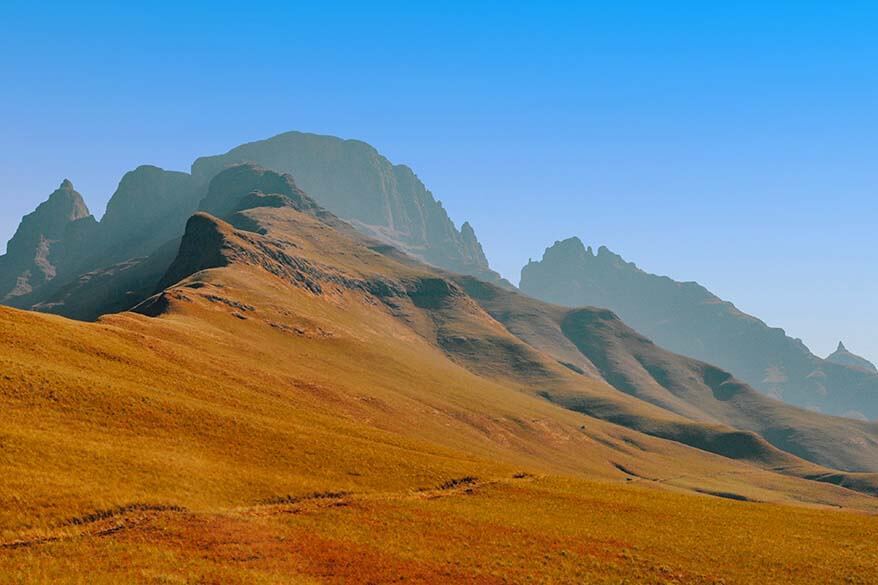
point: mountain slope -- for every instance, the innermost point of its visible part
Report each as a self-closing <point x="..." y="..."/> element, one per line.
<point x="323" y="252"/>
<point x="302" y="403"/>
<point x="688" y="319"/>
<point x="611" y="351"/>
<point x="255" y="453"/>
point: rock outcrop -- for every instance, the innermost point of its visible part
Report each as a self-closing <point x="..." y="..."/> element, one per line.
<point x="150" y="207"/>
<point x="86" y="267"/>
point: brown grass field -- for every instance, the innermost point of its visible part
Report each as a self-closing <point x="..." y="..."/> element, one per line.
<point x="259" y="432"/>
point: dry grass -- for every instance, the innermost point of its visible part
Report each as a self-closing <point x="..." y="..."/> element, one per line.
<point x="323" y="438"/>
<point x="544" y="530"/>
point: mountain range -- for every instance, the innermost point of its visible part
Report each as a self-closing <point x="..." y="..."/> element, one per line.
<point x="62" y="260"/>
<point x="272" y="384"/>
<point x="686" y="318"/>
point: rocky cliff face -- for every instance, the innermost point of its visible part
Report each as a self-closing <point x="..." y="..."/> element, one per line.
<point x="230" y="188"/>
<point x="687" y="318"/>
<point x="150" y="207"/>
<point x="44" y="239"/>
<point x="71" y="251"/>
<point x="62" y="256"/>
<point x="844" y="357"/>
<point x="354" y="181"/>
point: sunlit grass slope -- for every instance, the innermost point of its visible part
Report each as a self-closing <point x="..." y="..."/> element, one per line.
<point x="302" y="408"/>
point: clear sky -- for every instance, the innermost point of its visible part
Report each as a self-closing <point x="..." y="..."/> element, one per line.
<point x="732" y="143"/>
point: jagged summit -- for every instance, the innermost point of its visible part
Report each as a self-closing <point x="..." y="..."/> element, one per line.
<point x="147" y="214"/>
<point x="573" y="251"/>
<point x="34" y="252"/>
<point x="51" y="217"/>
<point x="64" y="204"/>
<point x="845" y="357"/>
<point x="570" y="250"/>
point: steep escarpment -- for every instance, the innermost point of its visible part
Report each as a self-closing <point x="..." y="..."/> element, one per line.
<point x="354" y="181"/>
<point x="686" y="318"/>
<point x="149" y="208"/>
<point x="100" y="267"/>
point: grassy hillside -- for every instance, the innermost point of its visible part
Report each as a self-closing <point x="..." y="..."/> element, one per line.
<point x="302" y="406"/>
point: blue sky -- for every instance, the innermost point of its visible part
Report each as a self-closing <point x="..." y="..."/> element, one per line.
<point x="729" y="143"/>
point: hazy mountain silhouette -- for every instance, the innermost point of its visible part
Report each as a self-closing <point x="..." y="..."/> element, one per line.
<point x="354" y="181"/>
<point x="93" y="267"/>
<point x="45" y="242"/>
<point x="845" y="358"/>
<point x="284" y="369"/>
<point x="688" y="319"/>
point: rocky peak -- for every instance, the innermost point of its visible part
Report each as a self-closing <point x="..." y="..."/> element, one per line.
<point x="842" y="356"/>
<point x="471" y="246"/>
<point x="146" y="193"/>
<point x="49" y="219"/>
<point x="468" y="233"/>
<point x="354" y="181"/>
<point x="570" y="253"/>
<point x="149" y="207"/>
<point x="249" y="185"/>
<point x="609" y="258"/>
<point x="33" y="252"/>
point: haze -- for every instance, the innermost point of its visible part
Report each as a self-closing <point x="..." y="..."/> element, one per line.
<point x="729" y="145"/>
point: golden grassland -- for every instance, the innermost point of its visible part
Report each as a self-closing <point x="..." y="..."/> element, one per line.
<point x="543" y="530"/>
<point x="258" y="433"/>
<point x="201" y="447"/>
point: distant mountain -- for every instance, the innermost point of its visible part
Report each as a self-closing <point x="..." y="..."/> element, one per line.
<point x="44" y="242"/>
<point x="845" y="358"/>
<point x="62" y="260"/>
<point x="150" y="207"/>
<point x="688" y="319"/>
<point x="262" y="223"/>
<point x="354" y="181"/>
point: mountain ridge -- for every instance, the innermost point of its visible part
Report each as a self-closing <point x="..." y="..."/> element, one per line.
<point x="107" y="264"/>
<point x="687" y="318"/>
<point x="297" y="400"/>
